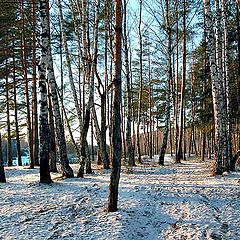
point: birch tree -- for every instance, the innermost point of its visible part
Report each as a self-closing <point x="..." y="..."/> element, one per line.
<point x="44" y="125"/>
<point x="219" y="101"/>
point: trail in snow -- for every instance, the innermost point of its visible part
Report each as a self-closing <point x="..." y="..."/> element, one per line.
<point x="171" y="202"/>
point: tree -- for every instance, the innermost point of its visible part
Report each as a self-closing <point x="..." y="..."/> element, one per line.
<point x="167" y="86"/>
<point x="129" y="97"/>
<point x="45" y="176"/>
<point x="116" y="137"/>
<point x="181" y="120"/>
<point x="219" y="101"/>
<point x="140" y="81"/>
<point x="2" y="172"/>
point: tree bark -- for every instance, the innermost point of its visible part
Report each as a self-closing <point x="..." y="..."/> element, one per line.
<point x="45" y="176"/>
<point x="2" y="172"/>
<point x="140" y="81"/>
<point x="90" y="103"/>
<point x="35" y="135"/>
<point x="181" y="123"/>
<point x="219" y="101"/>
<point x="129" y="94"/>
<point x="66" y="170"/>
<point x="167" y="86"/>
<point x="116" y="138"/>
<point x="26" y="88"/>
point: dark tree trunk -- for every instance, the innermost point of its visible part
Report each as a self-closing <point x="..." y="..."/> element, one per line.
<point x="52" y="137"/>
<point x="116" y="138"/>
<point x="2" y="172"/>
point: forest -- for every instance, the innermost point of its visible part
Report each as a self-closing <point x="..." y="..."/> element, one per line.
<point x="120" y="119"/>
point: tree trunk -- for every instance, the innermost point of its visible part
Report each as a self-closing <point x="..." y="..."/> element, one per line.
<point x="16" y="110"/>
<point x="90" y="103"/>
<point x="238" y="53"/>
<point x="219" y="103"/>
<point x="66" y="170"/>
<point x="35" y="137"/>
<point x="26" y="89"/>
<point x="181" y="123"/>
<point x="140" y="81"/>
<point x="9" y="138"/>
<point x="116" y="138"/>
<point x="52" y="137"/>
<point x="45" y="176"/>
<point x="129" y="94"/>
<point x="2" y="172"/>
<point x="167" y="86"/>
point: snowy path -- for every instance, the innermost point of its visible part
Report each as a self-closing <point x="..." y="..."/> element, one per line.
<point x="170" y="202"/>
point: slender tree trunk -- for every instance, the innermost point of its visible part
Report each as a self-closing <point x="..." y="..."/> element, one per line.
<point x="129" y="94"/>
<point x="35" y="137"/>
<point x="68" y="63"/>
<point x="90" y="103"/>
<point x="66" y="170"/>
<point x="52" y="137"/>
<point x="116" y="138"/>
<point x="167" y="86"/>
<point x="140" y="81"/>
<point x="9" y="137"/>
<point x="2" y="172"/>
<point x="45" y="176"/>
<point x="26" y="88"/>
<point x="16" y="110"/>
<point x="225" y="62"/>
<point x="176" y="129"/>
<point x="181" y="123"/>
<point x="105" y="157"/>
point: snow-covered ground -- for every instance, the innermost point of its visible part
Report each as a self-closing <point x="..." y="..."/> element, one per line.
<point x="171" y="202"/>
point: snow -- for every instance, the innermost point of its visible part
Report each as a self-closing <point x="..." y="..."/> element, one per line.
<point x="171" y="202"/>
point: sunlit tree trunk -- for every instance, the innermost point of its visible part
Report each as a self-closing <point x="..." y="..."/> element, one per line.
<point x="44" y="124"/>
<point x="219" y="101"/>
